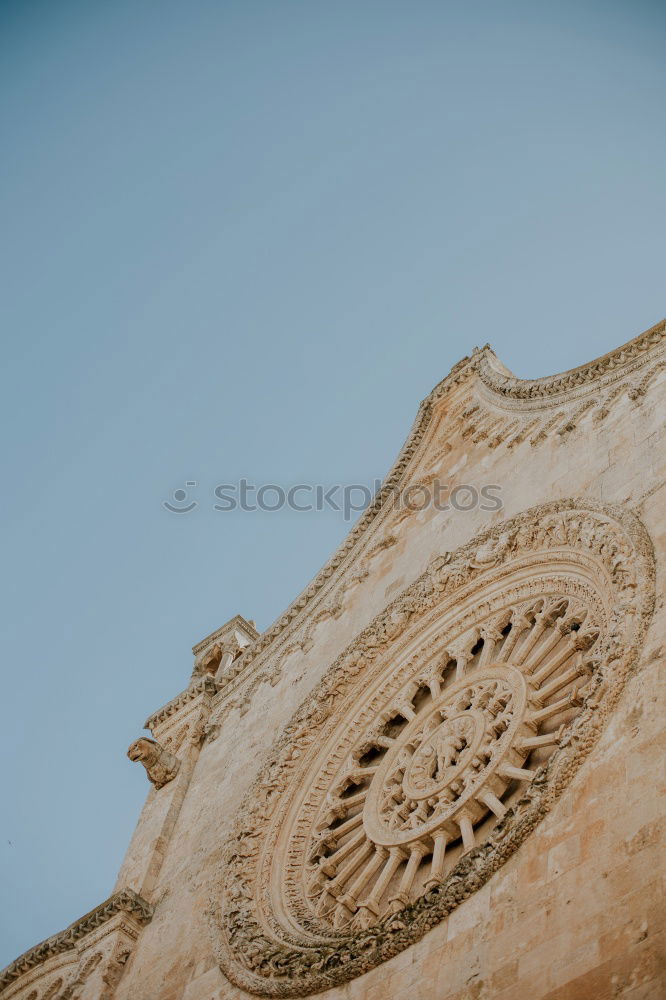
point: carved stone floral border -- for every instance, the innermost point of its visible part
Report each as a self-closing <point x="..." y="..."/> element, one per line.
<point x="625" y="553"/>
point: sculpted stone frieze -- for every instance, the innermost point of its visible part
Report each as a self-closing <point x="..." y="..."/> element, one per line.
<point x="554" y="385"/>
<point x="188" y="730"/>
<point x="125" y="906"/>
<point x="432" y="747"/>
<point x="200" y="686"/>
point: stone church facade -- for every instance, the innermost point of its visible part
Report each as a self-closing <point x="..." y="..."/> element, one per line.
<point x="437" y="775"/>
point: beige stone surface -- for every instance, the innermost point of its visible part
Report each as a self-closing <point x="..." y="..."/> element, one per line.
<point x="574" y="911"/>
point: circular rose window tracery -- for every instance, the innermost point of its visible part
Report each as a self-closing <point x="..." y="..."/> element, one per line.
<point x="432" y="747"/>
<point x="442" y="758"/>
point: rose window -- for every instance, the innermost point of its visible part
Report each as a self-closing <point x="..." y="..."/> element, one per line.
<point x="434" y="744"/>
<point x="443" y="758"/>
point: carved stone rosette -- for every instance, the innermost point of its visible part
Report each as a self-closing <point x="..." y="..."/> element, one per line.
<point x="432" y="747"/>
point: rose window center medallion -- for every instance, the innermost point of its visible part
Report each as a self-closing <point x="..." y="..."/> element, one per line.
<point x="435" y="762"/>
<point x="444" y="759"/>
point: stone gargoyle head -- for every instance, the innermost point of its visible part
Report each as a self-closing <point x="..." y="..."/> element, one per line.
<point x="161" y="765"/>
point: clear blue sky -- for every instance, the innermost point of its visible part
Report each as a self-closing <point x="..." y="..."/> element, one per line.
<point x="245" y="239"/>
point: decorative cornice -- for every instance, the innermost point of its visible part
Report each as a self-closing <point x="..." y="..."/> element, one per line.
<point x="202" y="685"/>
<point x="497" y="378"/>
<point x="482" y="363"/>
<point x="125" y="901"/>
<point x="486" y="366"/>
<point x="237" y="622"/>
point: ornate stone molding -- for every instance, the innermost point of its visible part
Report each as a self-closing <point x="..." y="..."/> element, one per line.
<point x="484" y="423"/>
<point x="553" y="386"/>
<point x="474" y="420"/>
<point x="518" y="645"/>
<point x="188" y="728"/>
<point x="202" y="685"/>
<point x="472" y="417"/>
<point x="124" y="902"/>
<point x="237" y="623"/>
<point x="213" y="656"/>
